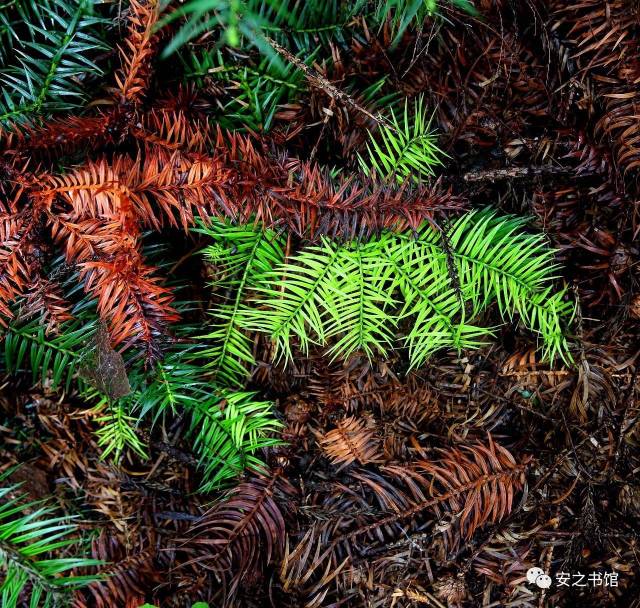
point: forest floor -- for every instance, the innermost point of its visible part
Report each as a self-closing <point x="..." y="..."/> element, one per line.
<point x="537" y="105"/>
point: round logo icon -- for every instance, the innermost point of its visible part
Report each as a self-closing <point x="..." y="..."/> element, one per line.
<point x="536" y="576"/>
<point x="533" y="574"/>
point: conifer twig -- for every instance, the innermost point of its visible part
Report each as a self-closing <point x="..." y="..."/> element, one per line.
<point x="321" y="82"/>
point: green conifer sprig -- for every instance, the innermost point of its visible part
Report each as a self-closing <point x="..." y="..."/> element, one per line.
<point x="426" y="291"/>
<point x="406" y="148"/>
<point x="31" y="536"/>
<point x="48" y="50"/>
<point x="240" y="258"/>
<point x="227" y="429"/>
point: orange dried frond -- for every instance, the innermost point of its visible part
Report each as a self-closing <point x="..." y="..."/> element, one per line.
<point x="45" y="299"/>
<point x="92" y="190"/>
<point x="165" y="132"/>
<point x="96" y="213"/>
<point x="113" y="191"/>
<point x="135" y="305"/>
<point x="351" y="441"/>
<point x="16" y="253"/>
<point x="183" y="188"/>
<point x="139" y="48"/>
<point x="63" y="135"/>
<point x="89" y="239"/>
<point x="11" y="227"/>
<point x="477" y="481"/>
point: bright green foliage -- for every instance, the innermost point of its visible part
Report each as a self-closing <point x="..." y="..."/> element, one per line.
<point x="29" y="532"/>
<point x="56" y="358"/>
<point x="254" y="92"/>
<point x="374" y="97"/>
<point x="338" y="291"/>
<point x="241" y="255"/>
<point x="359" y="301"/>
<point x="497" y="261"/>
<point x="47" y="52"/>
<point x="53" y="357"/>
<point x="430" y="300"/>
<point x="227" y="429"/>
<point x="403" y="13"/>
<point x="117" y="432"/>
<point x="176" y="384"/>
<point x="305" y="25"/>
<point x="405" y="149"/>
<point x="243" y="24"/>
<point x="354" y="296"/>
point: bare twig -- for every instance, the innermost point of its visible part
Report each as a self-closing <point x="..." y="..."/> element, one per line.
<point x="494" y="175"/>
<point x="322" y="83"/>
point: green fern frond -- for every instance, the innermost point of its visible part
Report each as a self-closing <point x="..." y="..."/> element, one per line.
<point x="404" y="149"/>
<point x="241" y="256"/>
<point x="53" y="43"/>
<point x="53" y="358"/>
<point x="166" y="388"/>
<point x="21" y="20"/>
<point x="327" y="291"/>
<point x="374" y="96"/>
<point x="496" y="260"/>
<point x="305" y="25"/>
<point x="227" y="431"/>
<point x="293" y="302"/>
<point x="227" y="428"/>
<point x="431" y="299"/>
<point x="15" y="15"/>
<point x="254" y="93"/>
<point x="358" y="303"/>
<point x="117" y="433"/>
<point x="401" y="14"/>
<point x="545" y="315"/>
<point x="29" y="534"/>
<point x="345" y="295"/>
